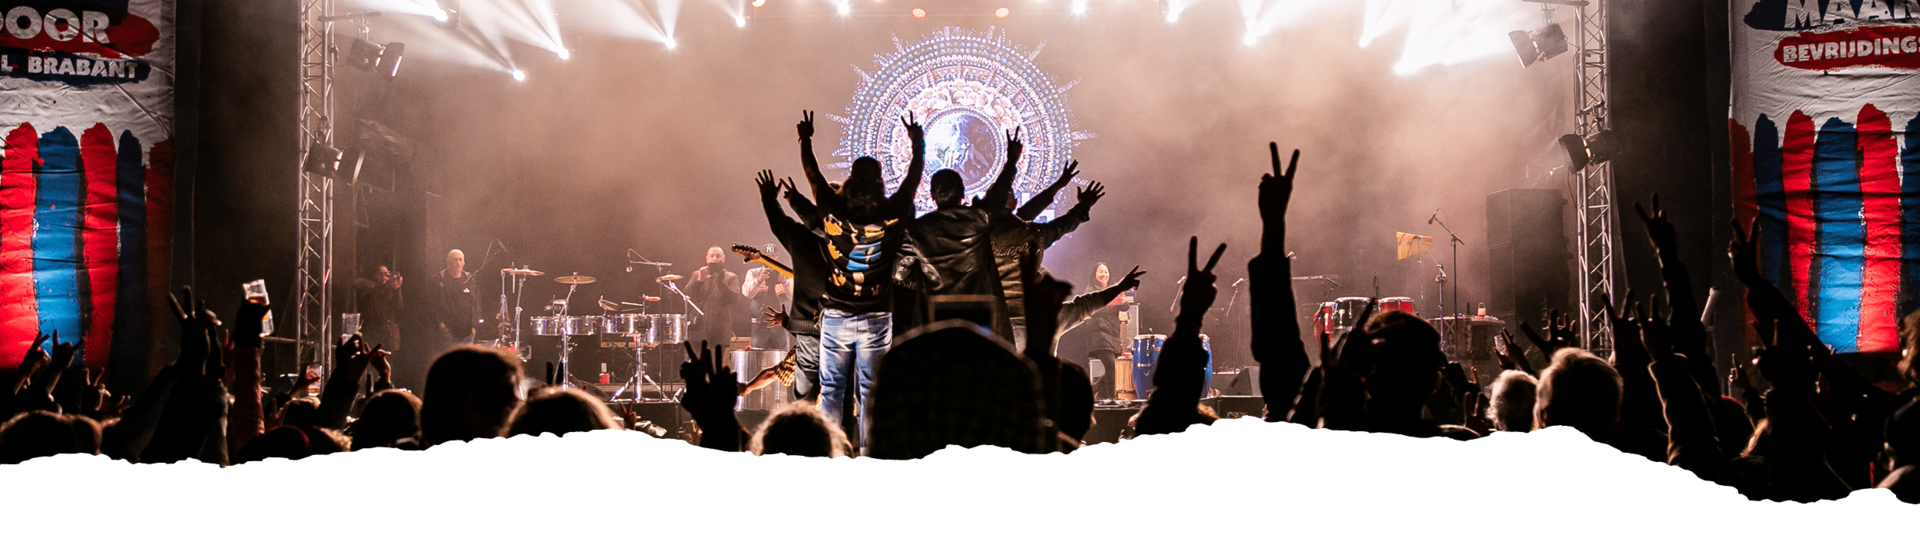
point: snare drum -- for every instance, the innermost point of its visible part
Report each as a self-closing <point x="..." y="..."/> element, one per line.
<point x="546" y="326"/>
<point x="1402" y="304"/>
<point x="581" y="325"/>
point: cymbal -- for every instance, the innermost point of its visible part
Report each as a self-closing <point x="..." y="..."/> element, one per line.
<point x="575" y="280"/>
<point x="670" y="278"/>
<point x="523" y="272"/>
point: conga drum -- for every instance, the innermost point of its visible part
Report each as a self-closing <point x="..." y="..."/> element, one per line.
<point x="1123" y="378"/>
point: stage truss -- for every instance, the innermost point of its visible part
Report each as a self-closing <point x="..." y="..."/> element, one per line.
<point x="968" y="89"/>
<point x="313" y="273"/>
<point x="1595" y="213"/>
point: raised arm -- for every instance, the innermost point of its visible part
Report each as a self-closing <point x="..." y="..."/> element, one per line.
<point x="1276" y="342"/>
<point x="777" y="219"/>
<point x="1177" y="378"/>
<point x="1689" y="335"/>
<point x="809" y="165"/>
<point x="803" y="207"/>
<point x="1002" y="188"/>
<point x="1691" y="442"/>
<point x="1044" y="199"/>
<point x="902" y="199"/>
<point x="1081" y="307"/>
<point x="247" y="418"/>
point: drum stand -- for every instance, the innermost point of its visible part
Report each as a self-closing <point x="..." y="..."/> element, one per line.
<point x="640" y="378"/>
<point x="566" y="343"/>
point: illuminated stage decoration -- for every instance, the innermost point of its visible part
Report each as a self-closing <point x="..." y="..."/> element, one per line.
<point x="968" y="89"/>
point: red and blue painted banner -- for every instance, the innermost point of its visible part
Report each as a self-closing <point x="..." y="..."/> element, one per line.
<point x="1826" y="158"/>
<point x="86" y="176"/>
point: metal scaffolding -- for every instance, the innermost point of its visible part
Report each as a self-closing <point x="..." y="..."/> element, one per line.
<point x="313" y="274"/>
<point x="1597" y="222"/>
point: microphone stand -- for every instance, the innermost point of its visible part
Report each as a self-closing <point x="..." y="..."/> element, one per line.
<point x="1455" y="243"/>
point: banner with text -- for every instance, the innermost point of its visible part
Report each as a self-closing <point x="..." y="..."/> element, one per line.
<point x="86" y="175"/>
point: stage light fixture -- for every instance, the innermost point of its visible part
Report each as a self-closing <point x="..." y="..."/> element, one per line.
<point x="740" y="21"/>
<point x="1079" y="7"/>
<point x="919" y="13"/>
<point x="672" y="43"/>
<point x="846" y="8"/>
<point x="564" y="54"/>
<point x="1548" y="42"/>
<point x="759" y="3"/>
<point x="379" y="59"/>
<point x="518" y="75"/>
<point x="1584" y="152"/>
<point x="322" y="160"/>
<point x="1001" y="13"/>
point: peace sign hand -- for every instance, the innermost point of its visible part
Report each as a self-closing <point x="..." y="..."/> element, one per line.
<point x="1276" y="189"/>
<point x="1199" y="292"/>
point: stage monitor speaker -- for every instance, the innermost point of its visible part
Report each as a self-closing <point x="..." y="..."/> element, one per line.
<point x="1109" y="424"/>
<point x="1530" y="264"/>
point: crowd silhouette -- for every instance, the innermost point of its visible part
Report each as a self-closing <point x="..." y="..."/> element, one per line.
<point x="869" y="275"/>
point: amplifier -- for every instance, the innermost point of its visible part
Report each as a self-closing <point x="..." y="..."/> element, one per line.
<point x="1110" y="424"/>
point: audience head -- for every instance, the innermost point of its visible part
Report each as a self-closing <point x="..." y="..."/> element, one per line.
<point x="292" y="443"/>
<point x="471" y="392"/>
<point x="35" y="434"/>
<point x="947" y="188"/>
<point x="560" y="411"/>
<point x="1076" y="401"/>
<point x="1513" y="395"/>
<point x="302" y="412"/>
<point x="952" y="383"/>
<point x="1579" y="390"/>
<point x="390" y="417"/>
<point x="1406" y="360"/>
<point x="864" y="169"/>
<point x="800" y="430"/>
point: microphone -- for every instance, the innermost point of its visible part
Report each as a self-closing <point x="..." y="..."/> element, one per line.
<point x="1435" y="216"/>
<point x="503" y="245"/>
<point x="1236" y="283"/>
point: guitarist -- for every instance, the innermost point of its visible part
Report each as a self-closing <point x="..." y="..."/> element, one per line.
<point x="766" y="287"/>
<point x="810" y="268"/>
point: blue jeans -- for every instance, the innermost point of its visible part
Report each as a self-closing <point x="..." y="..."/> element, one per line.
<point x="850" y="343"/>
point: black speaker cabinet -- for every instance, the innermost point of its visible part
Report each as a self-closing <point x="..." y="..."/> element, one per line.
<point x="1529" y="256"/>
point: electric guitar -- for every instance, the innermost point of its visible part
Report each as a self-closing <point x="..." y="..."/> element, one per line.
<point x="753" y="255"/>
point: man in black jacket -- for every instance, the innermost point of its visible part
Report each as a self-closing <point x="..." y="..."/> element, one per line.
<point x="809" y="254"/>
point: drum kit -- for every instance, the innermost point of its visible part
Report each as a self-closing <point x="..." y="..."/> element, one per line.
<point x="615" y="318"/>
<point x="1135" y="369"/>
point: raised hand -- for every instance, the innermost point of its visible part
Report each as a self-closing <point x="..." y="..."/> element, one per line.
<point x="768" y="186"/>
<point x="1276" y="189"/>
<point x="709" y="398"/>
<point x="1198" y="294"/>
<point x="1014" y="146"/>
<point x="251" y="317"/>
<point x="1559" y="335"/>
<point x="1786" y="366"/>
<point x="62" y="359"/>
<point x="914" y="130"/>
<point x="1132" y="280"/>
<point x="1091" y="194"/>
<point x="805" y="128"/>
<point x="29" y="364"/>
<point x="1655" y="333"/>
<point x="1067" y="173"/>
<point x="1508" y="359"/>
<point x="1658" y="228"/>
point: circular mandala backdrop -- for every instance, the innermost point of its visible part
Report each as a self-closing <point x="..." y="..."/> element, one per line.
<point x="967" y="89"/>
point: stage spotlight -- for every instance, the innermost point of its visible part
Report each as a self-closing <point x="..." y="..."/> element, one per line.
<point x="1539" y="45"/>
<point x="564" y="54"/>
<point x="672" y="43"/>
<point x="1594" y="150"/>
<point x="759" y="3"/>
<point x="740" y="21"/>
<point x="1250" y="39"/>
<point x="1001" y="13"/>
<point x="379" y="59"/>
<point x="919" y="13"/>
<point x="1079" y="7"/>
<point x="518" y="75"/>
<point x="322" y="160"/>
<point x="846" y="9"/>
